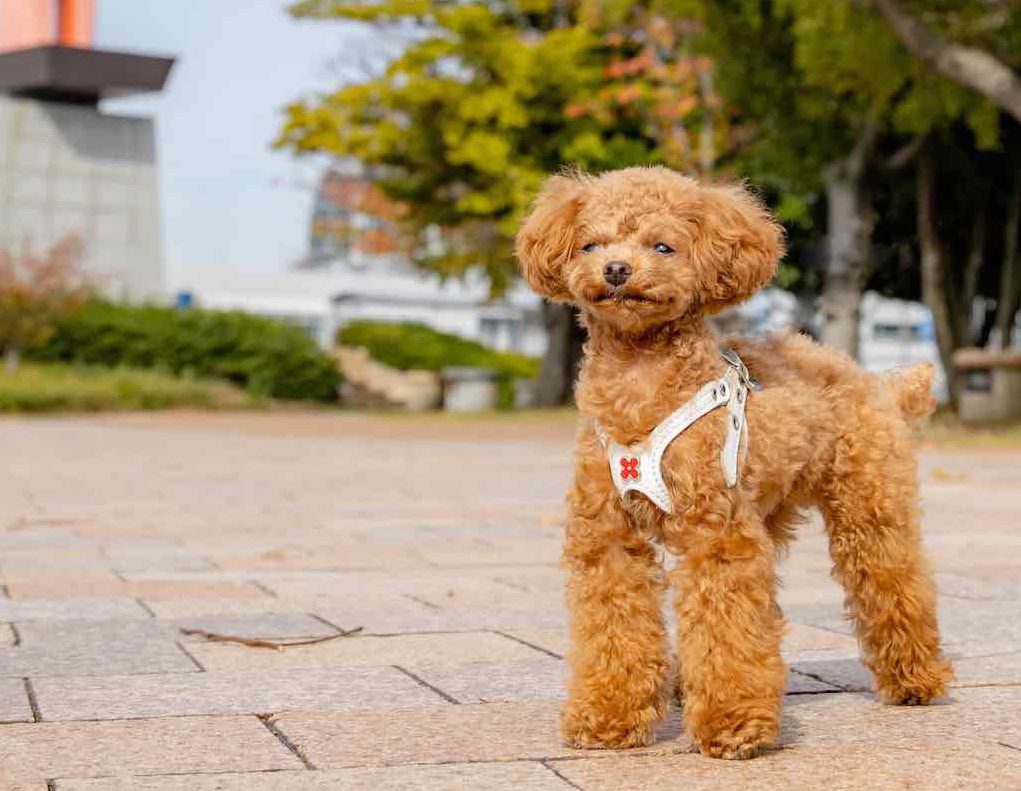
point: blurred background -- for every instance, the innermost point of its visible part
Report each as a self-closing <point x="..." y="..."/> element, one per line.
<point x="248" y="202"/>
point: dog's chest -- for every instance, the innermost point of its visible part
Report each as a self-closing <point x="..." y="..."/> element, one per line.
<point x="637" y="467"/>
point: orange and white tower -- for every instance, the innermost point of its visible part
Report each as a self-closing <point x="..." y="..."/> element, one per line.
<point x="33" y="23"/>
<point x="66" y="167"/>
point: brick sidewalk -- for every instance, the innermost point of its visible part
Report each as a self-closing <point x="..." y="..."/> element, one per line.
<point x="117" y="532"/>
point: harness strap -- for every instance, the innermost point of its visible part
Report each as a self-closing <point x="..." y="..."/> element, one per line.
<point x="638" y="467"/>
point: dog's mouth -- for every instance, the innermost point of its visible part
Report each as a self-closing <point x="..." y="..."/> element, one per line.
<point x="623" y="298"/>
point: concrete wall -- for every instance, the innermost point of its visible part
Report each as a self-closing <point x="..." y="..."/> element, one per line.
<point x="67" y="169"/>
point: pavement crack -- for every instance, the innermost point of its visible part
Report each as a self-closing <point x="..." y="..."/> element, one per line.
<point x="147" y="608"/>
<point x="33" y="701"/>
<point x="533" y="646"/>
<point x="423" y="602"/>
<point x="15" y="633"/>
<point x="188" y="654"/>
<point x="512" y="585"/>
<point x="422" y="682"/>
<point x="563" y="777"/>
<point x="264" y="588"/>
<point x="325" y="622"/>
<point x="821" y="680"/>
<point x="271" y="726"/>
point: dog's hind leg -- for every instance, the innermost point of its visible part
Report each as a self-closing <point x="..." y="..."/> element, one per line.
<point x="729" y="629"/>
<point x="618" y="660"/>
<point x="869" y="505"/>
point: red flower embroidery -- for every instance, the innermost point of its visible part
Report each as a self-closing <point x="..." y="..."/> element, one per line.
<point x="629" y="468"/>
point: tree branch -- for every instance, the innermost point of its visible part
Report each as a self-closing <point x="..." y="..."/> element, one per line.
<point x="904" y="155"/>
<point x="969" y="66"/>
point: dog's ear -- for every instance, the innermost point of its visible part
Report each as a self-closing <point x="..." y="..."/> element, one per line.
<point x="736" y="247"/>
<point x="545" y="241"/>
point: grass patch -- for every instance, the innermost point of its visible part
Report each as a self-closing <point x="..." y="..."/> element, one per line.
<point x="37" y="388"/>
<point x="946" y="430"/>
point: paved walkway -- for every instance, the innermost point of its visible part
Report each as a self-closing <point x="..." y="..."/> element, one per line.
<point x="115" y="533"/>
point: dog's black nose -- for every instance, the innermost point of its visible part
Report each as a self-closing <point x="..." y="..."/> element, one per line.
<point x="616" y="273"/>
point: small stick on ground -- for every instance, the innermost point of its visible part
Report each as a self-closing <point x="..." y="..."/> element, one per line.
<point x="256" y="642"/>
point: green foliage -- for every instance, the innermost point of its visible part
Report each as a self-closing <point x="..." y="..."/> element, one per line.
<point x="415" y="347"/>
<point x="465" y="125"/>
<point x="74" y="388"/>
<point x="266" y="357"/>
<point x="411" y="346"/>
<point x="808" y="76"/>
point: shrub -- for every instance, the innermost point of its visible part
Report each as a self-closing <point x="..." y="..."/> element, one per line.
<point x="411" y="346"/>
<point x="50" y="388"/>
<point x="266" y="357"/>
<point x="35" y="293"/>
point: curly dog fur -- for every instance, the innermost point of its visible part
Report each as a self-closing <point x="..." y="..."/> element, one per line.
<point x="822" y="433"/>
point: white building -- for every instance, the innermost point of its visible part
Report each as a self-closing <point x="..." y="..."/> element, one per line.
<point x="323" y="300"/>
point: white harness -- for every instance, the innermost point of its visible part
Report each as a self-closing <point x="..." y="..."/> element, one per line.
<point x="638" y="467"/>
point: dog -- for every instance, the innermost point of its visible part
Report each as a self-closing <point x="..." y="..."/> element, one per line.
<point x="647" y="254"/>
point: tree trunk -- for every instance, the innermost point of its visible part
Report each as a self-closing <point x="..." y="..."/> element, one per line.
<point x="12" y="359"/>
<point x="1010" y="278"/>
<point x="707" y="134"/>
<point x="849" y="228"/>
<point x="969" y="66"/>
<point x="936" y="287"/>
<point x="966" y="330"/>
<point x="559" y="366"/>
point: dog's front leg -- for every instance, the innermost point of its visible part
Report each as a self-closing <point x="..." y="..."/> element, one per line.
<point x="618" y="659"/>
<point x="732" y="675"/>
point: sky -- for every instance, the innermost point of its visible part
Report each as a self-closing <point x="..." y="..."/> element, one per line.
<point x="228" y="199"/>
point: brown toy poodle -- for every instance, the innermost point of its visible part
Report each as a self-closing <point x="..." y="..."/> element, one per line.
<point x="647" y="254"/>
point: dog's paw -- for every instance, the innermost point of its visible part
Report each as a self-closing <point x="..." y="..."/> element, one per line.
<point x="587" y="729"/>
<point x="737" y="740"/>
<point x="917" y="688"/>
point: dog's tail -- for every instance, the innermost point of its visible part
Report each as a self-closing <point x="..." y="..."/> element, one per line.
<point x="911" y="389"/>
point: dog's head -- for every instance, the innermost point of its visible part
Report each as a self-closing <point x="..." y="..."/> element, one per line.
<point x="640" y="247"/>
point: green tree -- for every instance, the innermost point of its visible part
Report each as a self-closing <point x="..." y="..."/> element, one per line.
<point x="829" y="95"/>
<point x="488" y="99"/>
<point x="977" y="45"/>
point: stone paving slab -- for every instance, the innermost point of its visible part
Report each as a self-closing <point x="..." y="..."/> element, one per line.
<point x="70" y="609"/>
<point x="490" y="682"/>
<point x="256" y="526"/>
<point x="21" y="586"/>
<point x="14" y="705"/>
<point x="930" y="766"/>
<point x="94" y="647"/>
<point x="186" y="744"/>
<point x="433" y="735"/>
<point x="851" y="675"/>
<point x="986" y="717"/>
<point x="177" y="695"/>
<point x="523" y="775"/>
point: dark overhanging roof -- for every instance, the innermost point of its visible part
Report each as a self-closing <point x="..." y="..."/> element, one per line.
<point x="80" y="76"/>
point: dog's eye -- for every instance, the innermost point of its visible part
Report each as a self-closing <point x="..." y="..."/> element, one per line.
<point x="663" y="249"/>
<point x="589" y="247"/>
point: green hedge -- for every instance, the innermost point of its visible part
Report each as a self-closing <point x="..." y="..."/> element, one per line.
<point x="266" y="357"/>
<point x="411" y="346"/>
<point x="416" y="347"/>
